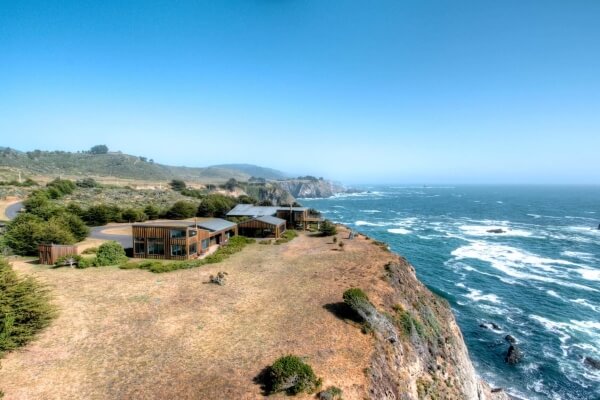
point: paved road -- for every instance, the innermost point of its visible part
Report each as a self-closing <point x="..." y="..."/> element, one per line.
<point x="125" y="240"/>
<point x="13" y="210"/>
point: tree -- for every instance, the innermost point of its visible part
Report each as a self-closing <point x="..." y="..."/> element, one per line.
<point x="99" y="149"/>
<point x="178" y="185"/>
<point x="231" y="184"/>
<point x="21" y="233"/>
<point x="327" y="228"/>
<point x="152" y="212"/>
<point x="73" y="223"/>
<point x="215" y="205"/>
<point x="181" y="210"/>
<point x="265" y="203"/>
<point x="25" y="308"/>
<point x="133" y="215"/>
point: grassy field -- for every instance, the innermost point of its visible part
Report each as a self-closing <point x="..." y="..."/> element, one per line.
<point x="137" y="335"/>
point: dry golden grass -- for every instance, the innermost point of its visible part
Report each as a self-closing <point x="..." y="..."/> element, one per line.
<point x="131" y="334"/>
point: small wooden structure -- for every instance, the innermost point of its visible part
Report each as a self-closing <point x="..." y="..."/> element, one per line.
<point x="295" y="217"/>
<point x="265" y="226"/>
<point x="179" y="240"/>
<point x="50" y="253"/>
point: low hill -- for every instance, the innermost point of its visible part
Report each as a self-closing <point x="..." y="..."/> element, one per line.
<point x="254" y="170"/>
<point x="119" y="165"/>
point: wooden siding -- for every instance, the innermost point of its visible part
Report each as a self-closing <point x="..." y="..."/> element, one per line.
<point x="50" y="253"/>
<point x="255" y="225"/>
<point x="164" y="233"/>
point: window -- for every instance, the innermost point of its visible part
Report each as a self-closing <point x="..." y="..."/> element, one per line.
<point x="193" y="248"/>
<point x="139" y="247"/>
<point x="177" y="250"/>
<point x="205" y="244"/>
<point x="156" y="247"/>
<point x="177" y="233"/>
<point x="192" y="232"/>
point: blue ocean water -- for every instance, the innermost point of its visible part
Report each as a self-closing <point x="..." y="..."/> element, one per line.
<point x="538" y="280"/>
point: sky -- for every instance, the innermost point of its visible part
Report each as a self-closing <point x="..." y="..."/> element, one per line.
<point x="357" y="91"/>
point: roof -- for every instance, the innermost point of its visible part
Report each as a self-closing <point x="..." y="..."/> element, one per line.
<point x="293" y="208"/>
<point x="267" y="219"/>
<point x="249" y="210"/>
<point x="216" y="224"/>
<point x="210" y="224"/>
<point x="168" y="224"/>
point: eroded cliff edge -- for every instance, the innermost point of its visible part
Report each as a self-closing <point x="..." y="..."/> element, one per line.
<point x="421" y="354"/>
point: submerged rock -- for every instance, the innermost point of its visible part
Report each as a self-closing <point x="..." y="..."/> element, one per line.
<point x="514" y="355"/>
<point x="592" y="362"/>
<point x="496" y="230"/>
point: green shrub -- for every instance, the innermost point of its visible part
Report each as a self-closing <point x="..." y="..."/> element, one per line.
<point x="327" y="228"/>
<point x="331" y="393"/>
<point x="24" y="308"/>
<point x="25" y="232"/>
<point x="292" y="375"/>
<point x="407" y="322"/>
<point x="110" y="253"/>
<point x="76" y="260"/>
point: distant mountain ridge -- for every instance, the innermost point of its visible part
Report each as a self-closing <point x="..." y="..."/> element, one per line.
<point x="120" y="165"/>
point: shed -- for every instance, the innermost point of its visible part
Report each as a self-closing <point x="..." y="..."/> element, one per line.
<point x="264" y="226"/>
<point x="50" y="253"/>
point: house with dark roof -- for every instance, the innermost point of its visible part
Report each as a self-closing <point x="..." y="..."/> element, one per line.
<point x="295" y="217"/>
<point x="180" y="240"/>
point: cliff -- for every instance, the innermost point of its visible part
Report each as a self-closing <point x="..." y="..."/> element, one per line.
<point x="311" y="188"/>
<point x="421" y="355"/>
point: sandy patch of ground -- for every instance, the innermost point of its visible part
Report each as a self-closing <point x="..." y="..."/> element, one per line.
<point x="88" y="243"/>
<point x="131" y="334"/>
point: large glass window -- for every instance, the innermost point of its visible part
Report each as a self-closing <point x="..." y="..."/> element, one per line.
<point x="192" y="232"/>
<point x="205" y="244"/>
<point x="177" y="250"/>
<point x="139" y="247"/>
<point x="177" y="233"/>
<point x="156" y="247"/>
<point x="193" y="248"/>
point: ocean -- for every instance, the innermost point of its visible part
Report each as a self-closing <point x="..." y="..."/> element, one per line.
<point x="536" y="275"/>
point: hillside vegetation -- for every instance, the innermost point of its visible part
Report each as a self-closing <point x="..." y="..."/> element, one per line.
<point x="117" y="164"/>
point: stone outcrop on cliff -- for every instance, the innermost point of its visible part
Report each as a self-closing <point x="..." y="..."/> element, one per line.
<point x="311" y="188"/>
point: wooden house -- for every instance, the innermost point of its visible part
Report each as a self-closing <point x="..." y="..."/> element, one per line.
<point x="295" y="217"/>
<point x="264" y="226"/>
<point x="179" y="240"/>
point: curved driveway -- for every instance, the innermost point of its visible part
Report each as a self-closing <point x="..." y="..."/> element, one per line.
<point x="13" y="210"/>
<point x="125" y="240"/>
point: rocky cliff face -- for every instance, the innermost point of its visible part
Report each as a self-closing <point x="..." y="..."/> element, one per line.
<point x="304" y="188"/>
<point x="425" y="357"/>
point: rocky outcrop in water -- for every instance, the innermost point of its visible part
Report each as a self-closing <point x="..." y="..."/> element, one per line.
<point x="514" y="355"/>
<point x="592" y="362"/>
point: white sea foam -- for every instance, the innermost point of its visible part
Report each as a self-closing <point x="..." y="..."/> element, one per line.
<point x="370" y="211"/>
<point x="587" y="304"/>
<point x="367" y="223"/>
<point x="484" y="230"/>
<point x="535" y="215"/>
<point x="589" y="274"/>
<point x="518" y="263"/>
<point x="399" y="231"/>
<point x="553" y="294"/>
<point x="477" y="295"/>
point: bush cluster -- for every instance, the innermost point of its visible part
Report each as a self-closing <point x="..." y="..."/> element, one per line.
<point x="288" y="235"/>
<point x="331" y="393"/>
<point x="291" y="375"/>
<point x="110" y="253"/>
<point x="24" y="308"/>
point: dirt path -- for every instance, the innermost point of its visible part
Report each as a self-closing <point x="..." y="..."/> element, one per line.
<point x="136" y="335"/>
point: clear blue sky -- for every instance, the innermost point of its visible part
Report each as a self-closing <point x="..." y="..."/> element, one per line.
<point x="359" y="91"/>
